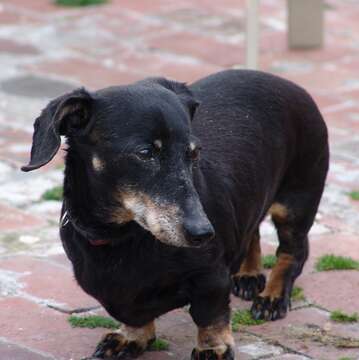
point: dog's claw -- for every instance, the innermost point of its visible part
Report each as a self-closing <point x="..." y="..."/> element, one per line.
<point x="212" y="355"/>
<point x="116" y="346"/>
<point x="264" y="308"/>
<point x="248" y="287"/>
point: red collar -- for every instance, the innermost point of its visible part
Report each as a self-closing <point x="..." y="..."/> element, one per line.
<point x="99" y="242"/>
<point x="65" y="219"/>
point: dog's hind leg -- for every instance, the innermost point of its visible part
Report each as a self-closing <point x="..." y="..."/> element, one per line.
<point x="272" y="303"/>
<point x="127" y="342"/>
<point x="293" y="215"/>
<point x="249" y="281"/>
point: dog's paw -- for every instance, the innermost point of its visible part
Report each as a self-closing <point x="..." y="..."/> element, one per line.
<point x="248" y="287"/>
<point x="212" y="354"/>
<point x="116" y="346"/>
<point x="265" y="308"/>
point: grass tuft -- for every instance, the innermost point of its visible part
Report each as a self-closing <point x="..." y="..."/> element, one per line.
<point x="243" y="318"/>
<point x="79" y="2"/>
<point x="341" y="317"/>
<point x="159" y="345"/>
<point x="93" y="321"/>
<point x="333" y="262"/>
<point x="354" y="195"/>
<point x="56" y="193"/>
<point x="297" y="294"/>
<point x="269" y="261"/>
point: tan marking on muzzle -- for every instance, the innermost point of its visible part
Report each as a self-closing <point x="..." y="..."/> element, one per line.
<point x="163" y="220"/>
<point x="215" y="337"/>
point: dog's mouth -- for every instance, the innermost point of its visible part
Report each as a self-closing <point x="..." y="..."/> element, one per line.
<point x="166" y="221"/>
<point x="160" y="218"/>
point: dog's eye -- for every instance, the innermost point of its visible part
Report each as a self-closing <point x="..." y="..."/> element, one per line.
<point x="145" y="153"/>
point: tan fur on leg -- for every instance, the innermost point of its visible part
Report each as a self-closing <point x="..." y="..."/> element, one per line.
<point x="275" y="285"/>
<point x="215" y="337"/>
<point x="141" y="335"/>
<point x="115" y="342"/>
<point x="251" y="265"/>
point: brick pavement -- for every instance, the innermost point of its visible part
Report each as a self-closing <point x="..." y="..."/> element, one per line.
<point x="46" y="50"/>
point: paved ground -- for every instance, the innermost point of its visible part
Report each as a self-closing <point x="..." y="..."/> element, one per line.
<point x="46" y="50"/>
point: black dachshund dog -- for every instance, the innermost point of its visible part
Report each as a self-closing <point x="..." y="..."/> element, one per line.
<point x="164" y="191"/>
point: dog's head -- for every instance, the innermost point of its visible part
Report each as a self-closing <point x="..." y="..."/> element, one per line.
<point x="135" y="147"/>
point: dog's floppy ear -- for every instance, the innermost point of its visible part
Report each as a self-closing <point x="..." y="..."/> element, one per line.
<point x="63" y="116"/>
<point x="183" y="92"/>
<point x="185" y="95"/>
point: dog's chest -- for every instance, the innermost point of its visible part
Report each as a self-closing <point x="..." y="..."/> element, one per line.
<point x="124" y="273"/>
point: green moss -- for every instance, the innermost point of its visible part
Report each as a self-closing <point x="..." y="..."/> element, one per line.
<point x="56" y="193"/>
<point x="297" y="294"/>
<point x="93" y="321"/>
<point x="269" y="261"/>
<point x="346" y="358"/>
<point x="333" y="262"/>
<point x="341" y="317"/>
<point x="354" y="195"/>
<point x="243" y="318"/>
<point x="159" y="345"/>
<point x="79" y="2"/>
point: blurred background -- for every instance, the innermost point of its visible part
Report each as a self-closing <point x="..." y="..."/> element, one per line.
<point x="50" y="47"/>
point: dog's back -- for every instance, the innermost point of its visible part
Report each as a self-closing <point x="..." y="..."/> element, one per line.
<point x="265" y="149"/>
<point x="256" y="129"/>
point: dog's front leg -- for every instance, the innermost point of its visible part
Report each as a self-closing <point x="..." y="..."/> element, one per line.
<point x="127" y="342"/>
<point x="211" y="312"/>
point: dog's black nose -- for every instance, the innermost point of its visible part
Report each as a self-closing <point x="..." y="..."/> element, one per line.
<point x="198" y="233"/>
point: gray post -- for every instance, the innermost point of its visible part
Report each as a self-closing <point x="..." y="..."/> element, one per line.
<point x="305" y="23"/>
<point x="252" y="34"/>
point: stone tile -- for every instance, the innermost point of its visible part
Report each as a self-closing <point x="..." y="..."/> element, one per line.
<point x="197" y="46"/>
<point x="49" y="209"/>
<point x="17" y="192"/>
<point x="12" y="218"/>
<point x="38" y="6"/>
<point x="187" y="72"/>
<point x="15" y="352"/>
<point x="45" y="330"/>
<point x="259" y="349"/>
<point x="332" y="290"/>
<point x="87" y="73"/>
<point x="34" y="86"/>
<point x="8" y="16"/>
<point x="60" y="259"/>
<point x="17" y="49"/>
<point x="301" y="332"/>
<point x="289" y="357"/>
<point x="47" y="282"/>
<point x="341" y="244"/>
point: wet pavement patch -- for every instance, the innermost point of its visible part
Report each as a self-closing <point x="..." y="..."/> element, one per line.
<point x="35" y="86"/>
<point x="14" y="48"/>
